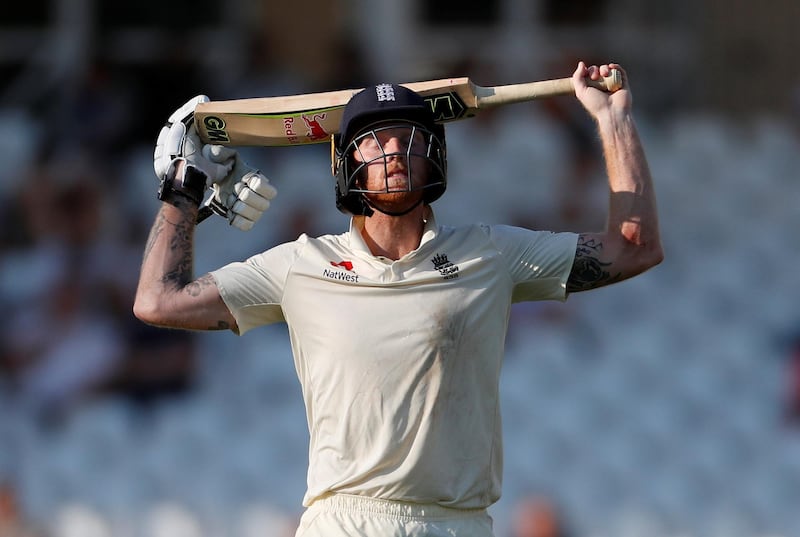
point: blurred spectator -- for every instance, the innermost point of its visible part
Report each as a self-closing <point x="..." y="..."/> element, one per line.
<point x="57" y="351"/>
<point x="57" y="342"/>
<point x="13" y="522"/>
<point x="100" y="113"/>
<point x="69" y="287"/>
<point x="537" y="516"/>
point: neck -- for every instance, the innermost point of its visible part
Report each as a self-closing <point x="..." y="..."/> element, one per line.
<point x="394" y="236"/>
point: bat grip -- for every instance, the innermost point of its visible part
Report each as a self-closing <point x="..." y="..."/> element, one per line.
<point x="564" y="86"/>
<point x="515" y="93"/>
<point x="610" y="83"/>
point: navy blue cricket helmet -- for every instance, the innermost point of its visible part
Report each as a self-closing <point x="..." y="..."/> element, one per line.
<point x="385" y="106"/>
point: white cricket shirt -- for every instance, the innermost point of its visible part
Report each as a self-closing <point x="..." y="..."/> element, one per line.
<point x="399" y="361"/>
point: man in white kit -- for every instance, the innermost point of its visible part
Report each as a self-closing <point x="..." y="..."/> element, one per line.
<point x="398" y="325"/>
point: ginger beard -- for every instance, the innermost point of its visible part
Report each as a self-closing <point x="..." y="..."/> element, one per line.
<point x="395" y="169"/>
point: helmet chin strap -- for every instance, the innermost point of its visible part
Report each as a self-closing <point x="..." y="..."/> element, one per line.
<point x="369" y="206"/>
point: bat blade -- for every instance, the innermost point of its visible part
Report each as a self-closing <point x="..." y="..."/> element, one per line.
<point x="272" y="121"/>
<point x="310" y="118"/>
<point x="314" y="117"/>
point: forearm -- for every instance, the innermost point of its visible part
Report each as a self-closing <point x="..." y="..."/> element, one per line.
<point x="167" y="263"/>
<point x="632" y="206"/>
<point x="168" y="295"/>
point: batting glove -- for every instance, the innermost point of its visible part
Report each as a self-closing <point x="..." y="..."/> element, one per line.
<point x="178" y="138"/>
<point x="243" y="195"/>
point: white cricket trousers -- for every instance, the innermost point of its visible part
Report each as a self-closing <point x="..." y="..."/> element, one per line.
<point x="344" y="515"/>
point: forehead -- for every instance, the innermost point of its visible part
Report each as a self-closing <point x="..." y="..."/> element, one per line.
<point x="402" y="131"/>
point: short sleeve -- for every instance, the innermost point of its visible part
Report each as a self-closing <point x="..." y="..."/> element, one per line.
<point x="253" y="289"/>
<point x="539" y="262"/>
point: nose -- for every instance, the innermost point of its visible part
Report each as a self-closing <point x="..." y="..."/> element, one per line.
<point x="394" y="145"/>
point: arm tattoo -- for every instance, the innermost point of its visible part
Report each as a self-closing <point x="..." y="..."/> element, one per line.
<point x="197" y="286"/>
<point x="588" y="272"/>
<point x="158" y="227"/>
<point x="181" y="245"/>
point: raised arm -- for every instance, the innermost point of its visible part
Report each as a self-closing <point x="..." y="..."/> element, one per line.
<point x="630" y="244"/>
<point x="167" y="294"/>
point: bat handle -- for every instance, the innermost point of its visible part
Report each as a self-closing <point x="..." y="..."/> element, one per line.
<point x="610" y="83"/>
<point x="564" y="86"/>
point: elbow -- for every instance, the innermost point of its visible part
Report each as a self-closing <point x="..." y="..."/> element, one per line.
<point x="655" y="253"/>
<point x="657" y="256"/>
<point x="644" y="249"/>
<point x="143" y="311"/>
<point x="635" y="259"/>
<point x="147" y="311"/>
<point x="649" y="256"/>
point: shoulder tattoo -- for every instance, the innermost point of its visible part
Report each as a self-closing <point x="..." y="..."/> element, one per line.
<point x="588" y="272"/>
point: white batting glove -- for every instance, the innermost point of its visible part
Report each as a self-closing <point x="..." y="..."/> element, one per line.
<point x="179" y="138"/>
<point x="243" y="195"/>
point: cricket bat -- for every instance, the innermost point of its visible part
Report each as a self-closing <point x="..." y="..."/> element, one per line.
<point x="313" y="117"/>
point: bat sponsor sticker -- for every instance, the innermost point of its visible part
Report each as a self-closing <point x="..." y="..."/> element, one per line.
<point x="215" y="127"/>
<point x="446" y="106"/>
<point x="314" y="125"/>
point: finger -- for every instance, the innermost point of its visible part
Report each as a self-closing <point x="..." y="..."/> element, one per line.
<point x="261" y="185"/>
<point x="218" y="153"/>
<point x="242" y="223"/>
<point x="578" y="76"/>
<point x="162" y="137"/>
<point x="251" y="213"/>
<point x="252" y="199"/>
<point x="159" y="160"/>
<point x="173" y="140"/>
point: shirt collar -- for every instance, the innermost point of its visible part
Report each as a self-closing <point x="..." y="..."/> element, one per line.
<point x="429" y="232"/>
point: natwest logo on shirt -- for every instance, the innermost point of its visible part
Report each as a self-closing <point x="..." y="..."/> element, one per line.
<point x="348" y="276"/>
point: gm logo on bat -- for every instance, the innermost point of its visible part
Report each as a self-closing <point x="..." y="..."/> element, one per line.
<point x="215" y="126"/>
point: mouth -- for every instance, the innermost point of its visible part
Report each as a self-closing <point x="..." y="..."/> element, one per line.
<point x="397" y="181"/>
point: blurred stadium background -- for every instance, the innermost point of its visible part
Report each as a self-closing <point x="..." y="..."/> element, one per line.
<point x="666" y="406"/>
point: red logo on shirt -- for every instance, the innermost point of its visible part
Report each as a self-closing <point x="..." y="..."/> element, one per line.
<point x="347" y="265"/>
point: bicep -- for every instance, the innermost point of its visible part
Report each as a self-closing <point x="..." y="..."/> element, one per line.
<point x="196" y="306"/>
<point x="605" y="258"/>
<point x="595" y="263"/>
<point x="206" y="302"/>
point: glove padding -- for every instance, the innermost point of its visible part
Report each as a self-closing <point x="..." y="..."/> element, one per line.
<point x="241" y="196"/>
<point x="179" y="138"/>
